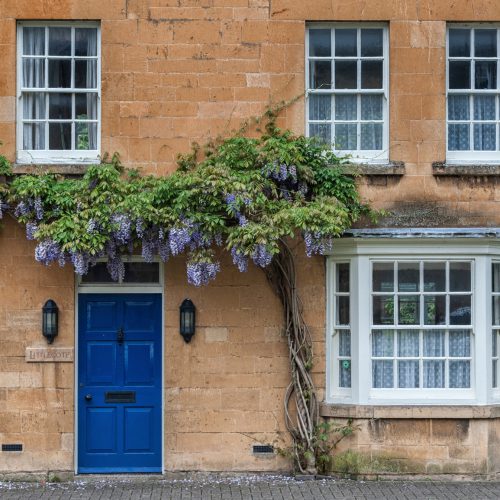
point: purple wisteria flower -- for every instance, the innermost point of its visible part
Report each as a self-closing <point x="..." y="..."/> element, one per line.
<point x="47" y="251"/>
<point x="261" y="256"/>
<point x="80" y="262"/>
<point x="316" y="243"/>
<point x="123" y="228"/>
<point x="148" y="249"/>
<point x="22" y="209"/>
<point x="242" y="220"/>
<point x="31" y="229"/>
<point x="38" y="208"/>
<point x="201" y="273"/>
<point x="116" y="267"/>
<point x="179" y="238"/>
<point x="239" y="260"/>
<point x="91" y="226"/>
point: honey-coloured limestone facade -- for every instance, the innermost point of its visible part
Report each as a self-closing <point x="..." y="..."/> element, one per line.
<point x="177" y="71"/>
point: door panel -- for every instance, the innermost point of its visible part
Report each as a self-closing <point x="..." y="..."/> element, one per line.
<point x="119" y="393"/>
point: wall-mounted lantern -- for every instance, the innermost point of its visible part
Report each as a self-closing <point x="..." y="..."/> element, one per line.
<point x="187" y="319"/>
<point x="50" y="313"/>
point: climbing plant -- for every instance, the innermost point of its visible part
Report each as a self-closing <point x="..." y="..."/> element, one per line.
<point x="247" y="196"/>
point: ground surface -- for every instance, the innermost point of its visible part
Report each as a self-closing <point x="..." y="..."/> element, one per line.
<point x="248" y="487"/>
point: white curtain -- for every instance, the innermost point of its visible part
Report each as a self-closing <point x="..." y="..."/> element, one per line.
<point x="434" y="370"/>
<point x="371" y="133"/>
<point x="92" y="83"/>
<point x="382" y="370"/>
<point x="33" y="77"/>
<point x="459" y="346"/>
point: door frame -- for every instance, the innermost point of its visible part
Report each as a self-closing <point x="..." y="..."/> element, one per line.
<point x="156" y="288"/>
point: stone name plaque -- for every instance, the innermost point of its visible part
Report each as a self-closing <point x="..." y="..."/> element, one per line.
<point x="49" y="354"/>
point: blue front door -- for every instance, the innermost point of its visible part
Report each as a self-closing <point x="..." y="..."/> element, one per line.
<point x="119" y="383"/>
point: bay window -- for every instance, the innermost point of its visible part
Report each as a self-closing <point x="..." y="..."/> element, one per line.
<point x="58" y="92"/>
<point x="413" y="323"/>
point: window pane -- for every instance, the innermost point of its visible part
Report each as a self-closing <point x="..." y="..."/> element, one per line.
<point x="60" y="106"/>
<point x="86" y="136"/>
<point x="372" y="75"/>
<point x="85" y="42"/>
<point x="484" y="107"/>
<point x="321" y="131"/>
<point x="434" y="343"/>
<point x="86" y="106"/>
<point x="320" y="74"/>
<point x="460" y="310"/>
<point x="435" y="309"/>
<point x="60" y="41"/>
<point x="342" y="310"/>
<point x="320" y="107"/>
<point x="371" y="136"/>
<point x="459" y="43"/>
<point x="383" y="343"/>
<point x="346" y="107"/>
<point x="371" y="107"/>
<point x="142" y="272"/>
<point x="346" y="42"/>
<point x="34" y="106"/>
<point x="459" y="374"/>
<point x="494" y="340"/>
<point x="408" y="344"/>
<point x="383" y="277"/>
<point x="371" y="42"/>
<point x="485" y="43"/>
<point x="97" y="274"/>
<point x="460" y="277"/>
<point x="346" y="75"/>
<point x="434" y="374"/>
<point x="34" y="73"/>
<point x="86" y="74"/>
<point x="434" y="276"/>
<point x="60" y="73"/>
<point x="496" y="310"/>
<point x="346" y="137"/>
<point x="383" y="310"/>
<point x="345" y="373"/>
<point x="458" y="107"/>
<point x="494" y="373"/>
<point x="459" y="75"/>
<point x="458" y="138"/>
<point x="33" y="41"/>
<point x="459" y="344"/>
<point x="344" y="343"/>
<point x="60" y="136"/>
<point x="486" y="75"/>
<point x="382" y="374"/>
<point x="496" y="276"/>
<point x="34" y="136"/>
<point x="484" y="137"/>
<point x="342" y="273"/>
<point x="320" y="43"/>
<point x="408" y="276"/>
<point x="408" y="374"/>
<point x="409" y="309"/>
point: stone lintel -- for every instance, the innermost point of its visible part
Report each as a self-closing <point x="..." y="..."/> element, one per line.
<point x="409" y="411"/>
<point x="393" y="168"/>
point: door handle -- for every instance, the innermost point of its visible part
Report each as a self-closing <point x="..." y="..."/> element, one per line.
<point x="88" y="397"/>
<point x="120" y="335"/>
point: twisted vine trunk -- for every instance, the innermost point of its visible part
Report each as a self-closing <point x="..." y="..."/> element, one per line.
<point x="301" y="402"/>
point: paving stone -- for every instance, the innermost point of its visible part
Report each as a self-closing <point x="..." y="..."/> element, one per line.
<point x="215" y="487"/>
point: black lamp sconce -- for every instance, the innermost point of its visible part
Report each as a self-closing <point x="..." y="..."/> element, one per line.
<point x="187" y="320"/>
<point x="50" y="320"/>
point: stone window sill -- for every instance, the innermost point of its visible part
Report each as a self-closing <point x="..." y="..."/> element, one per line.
<point x="393" y="168"/>
<point x="451" y="169"/>
<point x="406" y="411"/>
<point x="63" y="169"/>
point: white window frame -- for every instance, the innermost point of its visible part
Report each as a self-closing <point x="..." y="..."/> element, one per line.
<point x="473" y="157"/>
<point x="355" y="156"/>
<point x="361" y="253"/>
<point x="56" y="156"/>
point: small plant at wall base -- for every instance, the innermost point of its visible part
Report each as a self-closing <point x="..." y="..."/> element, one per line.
<point x="244" y="195"/>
